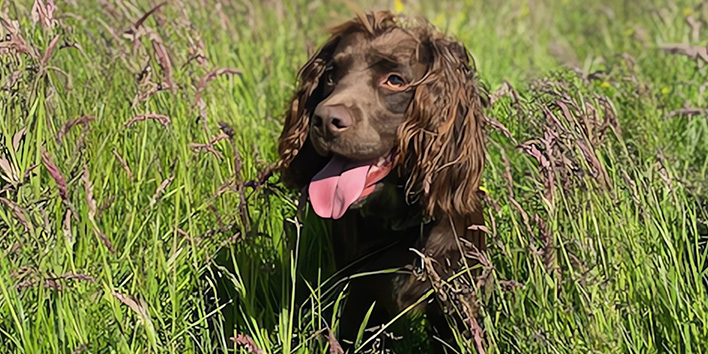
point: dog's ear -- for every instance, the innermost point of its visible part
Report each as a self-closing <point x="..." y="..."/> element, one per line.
<point x="441" y="143"/>
<point x="298" y="160"/>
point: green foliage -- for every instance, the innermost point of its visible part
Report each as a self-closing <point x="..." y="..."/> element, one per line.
<point x="128" y="222"/>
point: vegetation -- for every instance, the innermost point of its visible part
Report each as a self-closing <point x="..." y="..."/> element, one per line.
<point x="134" y="134"/>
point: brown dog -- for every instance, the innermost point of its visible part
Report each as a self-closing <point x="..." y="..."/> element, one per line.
<point x="384" y="134"/>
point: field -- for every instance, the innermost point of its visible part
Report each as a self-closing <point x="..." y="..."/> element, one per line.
<point x="132" y="142"/>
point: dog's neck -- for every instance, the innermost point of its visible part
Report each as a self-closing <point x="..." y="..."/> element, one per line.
<point x="388" y="207"/>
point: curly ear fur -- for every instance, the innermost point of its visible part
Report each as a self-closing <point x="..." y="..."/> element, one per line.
<point x="293" y="148"/>
<point x="441" y="143"/>
<point x="298" y="160"/>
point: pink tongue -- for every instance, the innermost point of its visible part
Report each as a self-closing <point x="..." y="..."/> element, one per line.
<point x="337" y="187"/>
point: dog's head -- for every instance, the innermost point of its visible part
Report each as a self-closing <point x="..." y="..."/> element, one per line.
<point x="381" y="94"/>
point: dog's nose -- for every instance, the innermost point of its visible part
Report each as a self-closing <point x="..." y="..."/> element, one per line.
<point x="333" y="119"/>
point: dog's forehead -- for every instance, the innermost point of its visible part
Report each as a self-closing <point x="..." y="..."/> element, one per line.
<point x="396" y="44"/>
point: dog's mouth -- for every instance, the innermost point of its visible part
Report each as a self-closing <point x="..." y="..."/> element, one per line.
<point x="343" y="182"/>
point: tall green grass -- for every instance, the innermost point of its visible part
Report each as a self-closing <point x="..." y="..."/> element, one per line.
<point x="128" y="154"/>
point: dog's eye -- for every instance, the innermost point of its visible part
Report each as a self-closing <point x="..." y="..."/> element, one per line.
<point x="395" y="82"/>
<point x="329" y="75"/>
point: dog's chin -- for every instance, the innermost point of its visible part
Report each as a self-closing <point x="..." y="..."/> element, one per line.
<point x="378" y="190"/>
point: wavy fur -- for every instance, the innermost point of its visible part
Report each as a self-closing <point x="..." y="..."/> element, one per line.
<point x="441" y="143"/>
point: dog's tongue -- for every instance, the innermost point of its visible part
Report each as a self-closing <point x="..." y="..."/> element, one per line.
<point x="337" y="186"/>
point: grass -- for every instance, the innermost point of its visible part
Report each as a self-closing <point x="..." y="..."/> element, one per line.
<point x="126" y="151"/>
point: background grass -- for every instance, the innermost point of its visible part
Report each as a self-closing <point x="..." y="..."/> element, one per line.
<point x="126" y="151"/>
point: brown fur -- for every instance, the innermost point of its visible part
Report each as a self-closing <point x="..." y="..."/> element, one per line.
<point x="429" y="201"/>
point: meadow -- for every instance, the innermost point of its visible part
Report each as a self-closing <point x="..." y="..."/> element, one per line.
<point x="137" y="215"/>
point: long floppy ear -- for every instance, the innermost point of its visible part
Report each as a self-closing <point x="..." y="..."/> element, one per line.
<point x="298" y="160"/>
<point x="441" y="142"/>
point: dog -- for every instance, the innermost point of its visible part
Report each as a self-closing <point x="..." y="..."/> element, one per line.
<point x="384" y="136"/>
